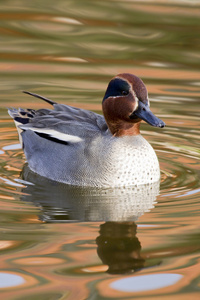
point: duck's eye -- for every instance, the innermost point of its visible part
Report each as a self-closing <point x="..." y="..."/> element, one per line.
<point x="124" y="93"/>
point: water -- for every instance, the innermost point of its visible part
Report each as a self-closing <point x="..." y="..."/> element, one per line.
<point x="58" y="242"/>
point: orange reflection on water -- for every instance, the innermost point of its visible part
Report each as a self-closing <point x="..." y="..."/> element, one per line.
<point x="176" y="90"/>
<point x="6" y="244"/>
<point x="95" y="269"/>
<point x="164" y="8"/>
<point x="38" y="261"/>
<point x="174" y="291"/>
<point x="27" y="281"/>
<point x="49" y="260"/>
<point x="153" y="73"/>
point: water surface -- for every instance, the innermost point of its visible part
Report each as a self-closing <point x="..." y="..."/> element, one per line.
<point x="59" y="242"/>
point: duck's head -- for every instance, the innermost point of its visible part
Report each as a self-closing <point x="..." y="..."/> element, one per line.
<point x="126" y="104"/>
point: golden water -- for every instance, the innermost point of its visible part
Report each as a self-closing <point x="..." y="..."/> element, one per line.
<point x="58" y="242"/>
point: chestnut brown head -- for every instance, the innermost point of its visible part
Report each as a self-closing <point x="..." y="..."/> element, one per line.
<point x="125" y="104"/>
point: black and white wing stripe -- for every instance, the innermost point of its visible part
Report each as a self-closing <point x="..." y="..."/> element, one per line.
<point x="64" y="124"/>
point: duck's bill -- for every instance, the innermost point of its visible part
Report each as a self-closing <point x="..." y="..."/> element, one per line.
<point x="143" y="112"/>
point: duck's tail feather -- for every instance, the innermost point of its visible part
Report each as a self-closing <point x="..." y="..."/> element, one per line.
<point x="40" y="97"/>
<point x="21" y="116"/>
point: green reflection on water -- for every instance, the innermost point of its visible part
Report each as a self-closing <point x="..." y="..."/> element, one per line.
<point x="69" y="50"/>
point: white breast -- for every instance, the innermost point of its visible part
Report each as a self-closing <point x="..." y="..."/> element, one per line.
<point x="122" y="161"/>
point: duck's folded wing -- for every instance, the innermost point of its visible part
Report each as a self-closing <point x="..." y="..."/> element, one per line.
<point x="65" y="123"/>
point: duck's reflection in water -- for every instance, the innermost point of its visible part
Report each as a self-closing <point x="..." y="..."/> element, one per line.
<point x="118" y="246"/>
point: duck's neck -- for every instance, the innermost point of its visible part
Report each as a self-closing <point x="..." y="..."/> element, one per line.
<point x="121" y="129"/>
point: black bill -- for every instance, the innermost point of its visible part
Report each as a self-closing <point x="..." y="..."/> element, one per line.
<point x="143" y="112"/>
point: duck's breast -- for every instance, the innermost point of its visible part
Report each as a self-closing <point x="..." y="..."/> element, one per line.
<point x="123" y="161"/>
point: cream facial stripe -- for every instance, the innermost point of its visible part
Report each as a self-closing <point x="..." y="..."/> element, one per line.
<point x="136" y="100"/>
<point x="134" y="94"/>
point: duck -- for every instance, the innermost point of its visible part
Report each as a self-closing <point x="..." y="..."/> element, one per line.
<point x="82" y="148"/>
